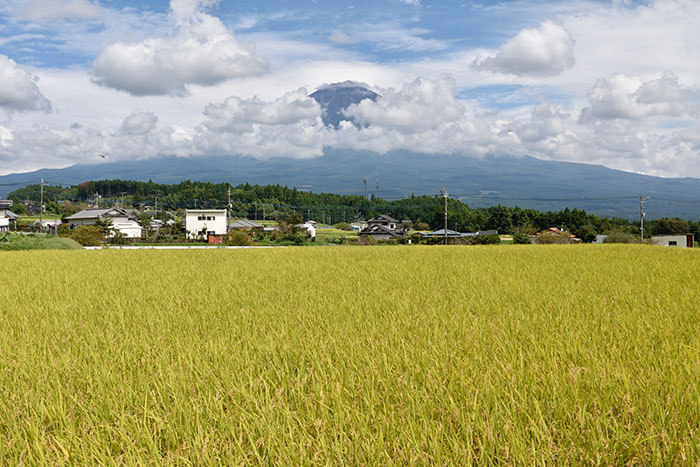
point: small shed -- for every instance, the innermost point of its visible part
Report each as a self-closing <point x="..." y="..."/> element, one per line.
<point x="674" y="240"/>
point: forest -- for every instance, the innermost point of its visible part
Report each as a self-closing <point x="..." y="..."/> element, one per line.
<point x="263" y="202"/>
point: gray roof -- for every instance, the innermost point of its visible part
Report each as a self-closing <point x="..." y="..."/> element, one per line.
<point x="384" y="218"/>
<point x="441" y="233"/>
<point x="97" y="213"/>
<point x="382" y="230"/>
<point x="245" y="224"/>
<point x="10" y="215"/>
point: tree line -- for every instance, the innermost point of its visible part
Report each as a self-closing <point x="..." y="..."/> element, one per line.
<point x="274" y="201"/>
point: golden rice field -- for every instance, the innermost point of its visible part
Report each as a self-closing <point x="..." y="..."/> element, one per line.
<point x="518" y="355"/>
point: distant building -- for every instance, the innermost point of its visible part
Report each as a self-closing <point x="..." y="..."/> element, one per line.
<point x="122" y="221"/>
<point x="245" y="224"/>
<point x="202" y="223"/>
<point x="675" y="240"/>
<point x="382" y="228"/>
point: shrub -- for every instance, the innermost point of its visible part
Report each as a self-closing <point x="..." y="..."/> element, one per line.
<point x="343" y="226"/>
<point x="620" y="237"/>
<point x="488" y="239"/>
<point x="236" y="238"/>
<point x="521" y="239"/>
<point x="550" y="238"/>
<point x="88" y="235"/>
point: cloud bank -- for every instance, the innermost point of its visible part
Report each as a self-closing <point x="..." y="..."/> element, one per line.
<point x="19" y="90"/>
<point x="201" y="50"/>
<point x="547" y="50"/>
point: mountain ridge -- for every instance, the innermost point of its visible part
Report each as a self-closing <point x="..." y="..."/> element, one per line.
<point x="514" y="181"/>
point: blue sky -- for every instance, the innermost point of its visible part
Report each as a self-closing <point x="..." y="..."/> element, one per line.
<point x="612" y="82"/>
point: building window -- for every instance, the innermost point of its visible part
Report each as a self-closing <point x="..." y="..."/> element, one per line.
<point x="672" y="243"/>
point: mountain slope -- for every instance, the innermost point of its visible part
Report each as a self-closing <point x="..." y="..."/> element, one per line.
<point x="524" y="181"/>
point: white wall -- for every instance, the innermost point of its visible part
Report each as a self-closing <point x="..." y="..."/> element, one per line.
<point x="130" y="229"/>
<point x="213" y="220"/>
<point x="668" y="240"/>
<point x="4" y="223"/>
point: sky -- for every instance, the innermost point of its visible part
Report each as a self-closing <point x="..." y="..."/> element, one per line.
<point x="611" y="82"/>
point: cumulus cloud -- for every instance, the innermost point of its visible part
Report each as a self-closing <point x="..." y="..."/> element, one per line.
<point x="201" y="50"/>
<point x="19" y="90"/>
<point x="420" y="105"/>
<point x="628" y="97"/>
<point x="547" y="50"/>
<point x="139" y="123"/>
<point x="43" y="10"/>
<point x="288" y="126"/>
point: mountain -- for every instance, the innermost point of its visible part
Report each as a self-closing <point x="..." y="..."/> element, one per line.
<point x="513" y="181"/>
<point x="335" y="98"/>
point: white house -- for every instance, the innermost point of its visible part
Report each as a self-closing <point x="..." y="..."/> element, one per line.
<point x="122" y="221"/>
<point x="4" y="224"/>
<point x="675" y="241"/>
<point x="310" y="227"/>
<point x="205" y="221"/>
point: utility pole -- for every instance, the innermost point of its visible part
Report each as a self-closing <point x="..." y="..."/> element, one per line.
<point x="156" y="214"/>
<point x="41" y="206"/>
<point x="642" y="214"/>
<point x="445" y="195"/>
<point x="376" y="190"/>
<point x="364" y="179"/>
<point x="228" y="207"/>
<point x="97" y="200"/>
<point x="122" y="193"/>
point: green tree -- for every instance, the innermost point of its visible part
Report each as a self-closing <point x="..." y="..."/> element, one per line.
<point x="88" y="235"/>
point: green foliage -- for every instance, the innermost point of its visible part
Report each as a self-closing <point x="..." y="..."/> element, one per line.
<point x="15" y="242"/>
<point x="236" y="238"/>
<point x="548" y="238"/>
<point x="617" y="236"/>
<point x="88" y="235"/>
<point x="586" y="233"/>
<point x="669" y="226"/>
<point x="521" y="239"/>
<point x="343" y="226"/>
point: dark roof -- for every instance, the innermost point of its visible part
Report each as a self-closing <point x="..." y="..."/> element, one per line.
<point x="441" y="233"/>
<point x="97" y="213"/>
<point x="383" y="218"/>
<point x="245" y="224"/>
<point x="381" y="230"/>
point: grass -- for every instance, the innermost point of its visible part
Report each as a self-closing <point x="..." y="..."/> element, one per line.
<point x="408" y="355"/>
<point x="14" y="242"/>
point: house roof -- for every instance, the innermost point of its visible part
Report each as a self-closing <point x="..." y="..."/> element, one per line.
<point x="210" y="211"/>
<point x="382" y="230"/>
<point x="384" y="218"/>
<point x="441" y="233"/>
<point x="97" y="213"/>
<point x="10" y="215"/>
<point x="245" y="224"/>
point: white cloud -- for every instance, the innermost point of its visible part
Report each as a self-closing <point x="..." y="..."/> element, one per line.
<point x="201" y="50"/>
<point x="629" y="97"/>
<point x="411" y="2"/>
<point x="139" y="123"/>
<point x="420" y="105"/>
<point x="19" y="90"/>
<point x="47" y="10"/>
<point x="289" y="126"/>
<point x="547" y="50"/>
